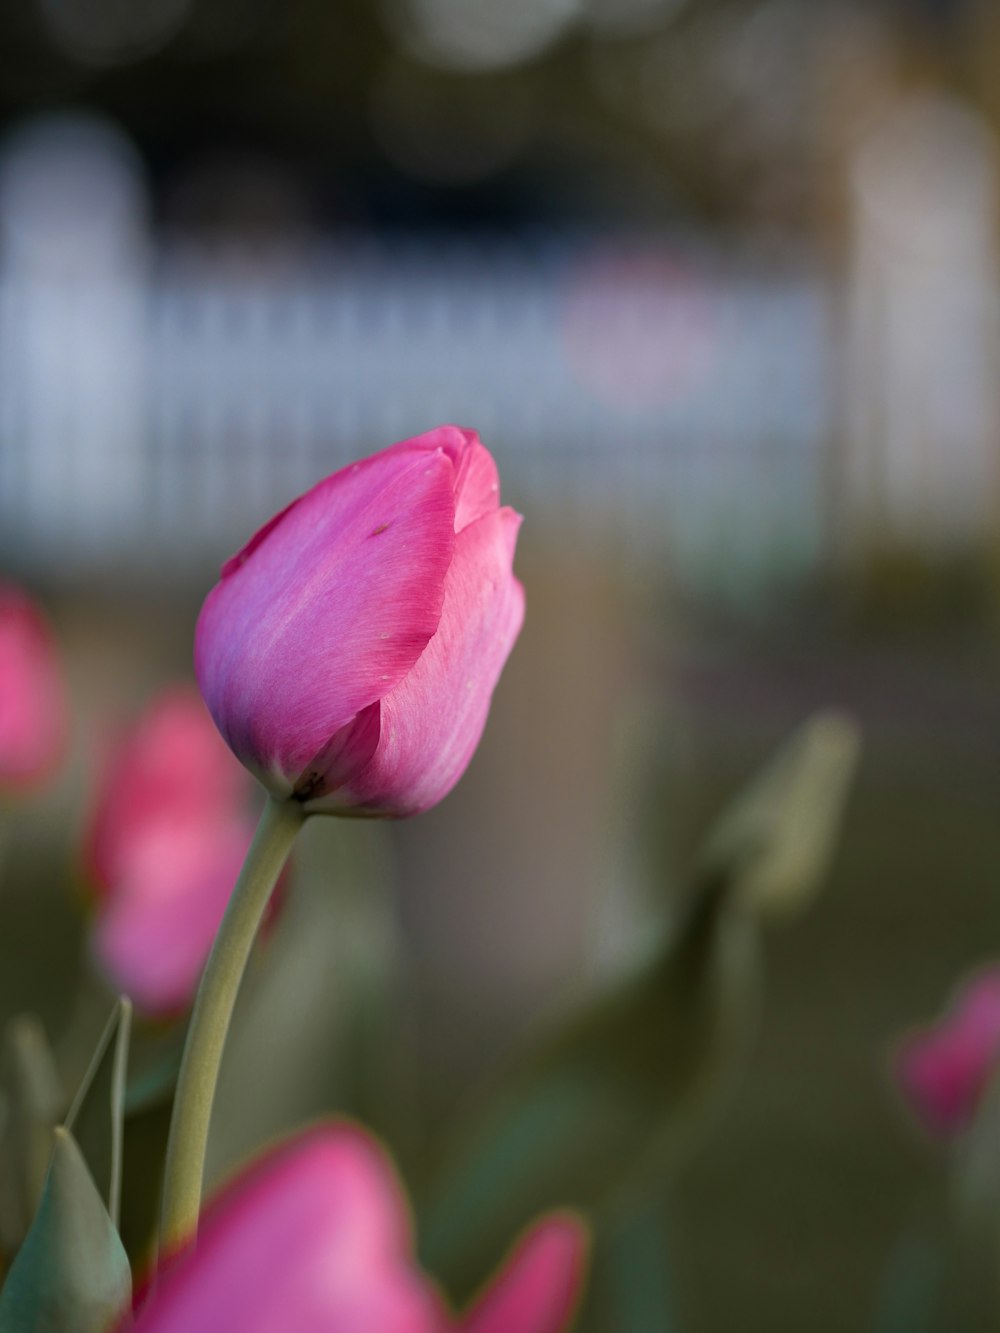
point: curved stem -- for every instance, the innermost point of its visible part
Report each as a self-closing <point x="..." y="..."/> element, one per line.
<point x="213" y="1009"/>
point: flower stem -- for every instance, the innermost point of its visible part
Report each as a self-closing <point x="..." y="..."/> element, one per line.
<point x="213" y="1010"/>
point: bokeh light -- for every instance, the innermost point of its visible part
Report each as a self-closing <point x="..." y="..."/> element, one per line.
<point x="478" y="34"/>
<point x="72" y="193"/>
<point x="453" y="129"/>
<point x="111" y="32"/>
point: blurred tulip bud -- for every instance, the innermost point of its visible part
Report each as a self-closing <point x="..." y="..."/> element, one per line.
<point x="169" y="764"/>
<point x="154" y="929"/>
<point x="167" y="838"/>
<point x="315" y="1237"/>
<point x="620" y="1094"/>
<point x="33" y="707"/>
<point x="943" y="1070"/>
<point x="350" y="650"/>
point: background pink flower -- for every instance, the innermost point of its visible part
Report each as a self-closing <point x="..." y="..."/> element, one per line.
<point x="944" y="1069"/>
<point x="315" y="1237"/>
<point x="167" y="838"/>
<point x="155" y="927"/>
<point x="169" y="764"/>
<point x="33" y="706"/>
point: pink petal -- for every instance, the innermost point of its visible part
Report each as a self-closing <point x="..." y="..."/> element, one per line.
<point x="432" y="721"/>
<point x="33" y="709"/>
<point x="477" y="484"/>
<point x="314" y="1238"/>
<point x="172" y="762"/>
<point x="155" y="929"/>
<point x="944" y="1070"/>
<point x="327" y="609"/>
<point x="539" y="1286"/>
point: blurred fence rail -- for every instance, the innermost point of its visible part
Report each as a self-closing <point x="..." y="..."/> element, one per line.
<point x="150" y="413"/>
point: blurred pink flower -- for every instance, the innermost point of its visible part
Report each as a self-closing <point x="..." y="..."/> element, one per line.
<point x="169" y="764"/>
<point x="33" y="707"/>
<point x="168" y="835"/>
<point x="350" y="650"/>
<point x="154" y="928"/>
<point x="315" y="1237"/>
<point x="944" y="1069"/>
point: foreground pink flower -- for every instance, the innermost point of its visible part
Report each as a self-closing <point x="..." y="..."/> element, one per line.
<point x="944" y="1069"/>
<point x="168" y="836"/>
<point x="33" y="710"/>
<point x="315" y="1238"/>
<point x="350" y="650"/>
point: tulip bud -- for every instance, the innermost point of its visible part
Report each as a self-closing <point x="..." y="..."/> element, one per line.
<point x="167" y="837"/>
<point x="154" y="929"/>
<point x="944" y="1069"/>
<point x="350" y="650"/>
<point x="168" y="764"/>
<point x="33" y="712"/>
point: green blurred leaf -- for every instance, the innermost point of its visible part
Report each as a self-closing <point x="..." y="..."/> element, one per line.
<point x="621" y="1093"/>
<point x="626" y="1084"/>
<point x="910" y="1294"/>
<point x="630" y="1287"/>
<point x="98" y="1111"/>
<point x="72" y="1274"/>
<point x="776" y="840"/>
<point x="31" y="1105"/>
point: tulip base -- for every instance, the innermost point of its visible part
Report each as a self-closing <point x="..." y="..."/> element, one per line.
<point x="213" y="1010"/>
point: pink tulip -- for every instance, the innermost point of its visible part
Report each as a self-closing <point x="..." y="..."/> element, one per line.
<point x="315" y="1237"/>
<point x="168" y="764"/>
<point x="155" y="927"/>
<point x="33" y="709"/>
<point x="350" y="650"/>
<point x="944" y="1070"/>
<point x="168" y="836"/>
<point x="538" y="1289"/>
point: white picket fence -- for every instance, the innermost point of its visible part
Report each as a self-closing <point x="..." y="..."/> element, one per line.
<point x="150" y="415"/>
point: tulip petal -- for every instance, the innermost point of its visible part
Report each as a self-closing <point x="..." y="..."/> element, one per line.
<point x="313" y="1238"/>
<point x="154" y="932"/>
<point x="539" y="1286"/>
<point x="477" y="483"/>
<point x="327" y="609"/>
<point x="944" y="1070"/>
<point x="347" y="754"/>
<point x="432" y="721"/>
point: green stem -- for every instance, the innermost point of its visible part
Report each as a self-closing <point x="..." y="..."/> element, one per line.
<point x="213" y="1010"/>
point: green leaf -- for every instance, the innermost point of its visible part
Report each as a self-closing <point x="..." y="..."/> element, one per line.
<point x="31" y="1105"/>
<point x="72" y="1274"/>
<point x="98" y="1111"/>
<point x="630" y="1286"/>
<point x="909" y="1300"/>
<point x="627" y="1085"/>
<point x="617" y="1096"/>
<point x="637" y="1270"/>
<point x="776" y="840"/>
